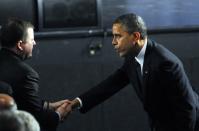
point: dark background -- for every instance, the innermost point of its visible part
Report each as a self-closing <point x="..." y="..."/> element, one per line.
<point x="67" y="67"/>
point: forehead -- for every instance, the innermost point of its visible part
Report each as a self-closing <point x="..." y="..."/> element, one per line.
<point x="118" y="29"/>
<point x="30" y="32"/>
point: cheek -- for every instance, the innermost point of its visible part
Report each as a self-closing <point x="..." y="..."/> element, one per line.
<point x="127" y="44"/>
<point x="122" y="42"/>
<point x="29" y="48"/>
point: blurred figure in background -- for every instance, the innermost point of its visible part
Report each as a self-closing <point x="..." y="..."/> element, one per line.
<point x="9" y="121"/>
<point x="30" y="122"/>
<point x="7" y="103"/>
<point x="5" y="88"/>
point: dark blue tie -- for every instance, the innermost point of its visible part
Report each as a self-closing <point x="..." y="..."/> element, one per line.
<point x="139" y="74"/>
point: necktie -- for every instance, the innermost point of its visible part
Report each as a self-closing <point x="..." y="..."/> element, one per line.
<point x="139" y="74"/>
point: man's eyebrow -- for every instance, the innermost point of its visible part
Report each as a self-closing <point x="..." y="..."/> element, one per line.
<point x="116" y="34"/>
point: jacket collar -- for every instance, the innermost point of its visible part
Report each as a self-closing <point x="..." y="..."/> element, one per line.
<point x="11" y="53"/>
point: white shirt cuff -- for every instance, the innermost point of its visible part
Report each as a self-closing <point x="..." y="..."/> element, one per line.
<point x="80" y="103"/>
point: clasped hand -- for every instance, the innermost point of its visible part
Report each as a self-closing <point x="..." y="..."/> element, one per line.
<point x="64" y="107"/>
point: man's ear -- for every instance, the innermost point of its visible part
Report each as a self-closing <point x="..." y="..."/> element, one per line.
<point x="19" y="45"/>
<point x="137" y="36"/>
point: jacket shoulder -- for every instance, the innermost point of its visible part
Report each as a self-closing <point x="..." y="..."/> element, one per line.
<point x="162" y="53"/>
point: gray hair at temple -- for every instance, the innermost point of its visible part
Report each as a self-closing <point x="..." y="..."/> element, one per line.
<point x="30" y="122"/>
<point x="9" y="121"/>
<point x="132" y="23"/>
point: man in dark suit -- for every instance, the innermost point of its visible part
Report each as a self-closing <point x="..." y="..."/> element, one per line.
<point x="156" y="74"/>
<point x="17" y="41"/>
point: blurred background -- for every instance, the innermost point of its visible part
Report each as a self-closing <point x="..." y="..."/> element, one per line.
<point x="74" y="51"/>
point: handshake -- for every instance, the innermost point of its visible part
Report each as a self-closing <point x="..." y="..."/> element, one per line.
<point x="64" y="107"/>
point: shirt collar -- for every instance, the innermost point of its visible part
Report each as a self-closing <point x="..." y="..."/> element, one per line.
<point x="140" y="57"/>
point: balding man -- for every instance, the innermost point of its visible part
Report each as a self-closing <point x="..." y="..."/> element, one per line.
<point x="7" y="102"/>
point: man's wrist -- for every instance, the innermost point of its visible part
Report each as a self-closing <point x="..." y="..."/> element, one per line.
<point x="46" y="105"/>
<point x="77" y="103"/>
<point x="59" y="115"/>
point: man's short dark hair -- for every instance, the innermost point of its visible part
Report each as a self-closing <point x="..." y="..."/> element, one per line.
<point x="13" y="31"/>
<point x="132" y="23"/>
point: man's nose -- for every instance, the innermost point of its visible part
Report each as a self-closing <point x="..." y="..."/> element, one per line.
<point x="114" y="42"/>
<point x="34" y="42"/>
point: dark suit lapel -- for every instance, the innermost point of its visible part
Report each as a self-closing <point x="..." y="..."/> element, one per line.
<point x="138" y="83"/>
<point x="131" y="71"/>
<point x="140" y="88"/>
<point x="146" y="67"/>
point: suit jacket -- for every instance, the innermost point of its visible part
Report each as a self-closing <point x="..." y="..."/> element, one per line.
<point x="166" y="93"/>
<point x="24" y="82"/>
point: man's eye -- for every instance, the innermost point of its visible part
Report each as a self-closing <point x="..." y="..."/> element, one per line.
<point x="118" y="36"/>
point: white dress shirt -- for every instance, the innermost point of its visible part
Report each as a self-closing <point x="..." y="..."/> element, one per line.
<point x="140" y="57"/>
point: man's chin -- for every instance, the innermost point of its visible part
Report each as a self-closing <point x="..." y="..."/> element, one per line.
<point x="127" y="54"/>
<point x="121" y="54"/>
<point x="27" y="57"/>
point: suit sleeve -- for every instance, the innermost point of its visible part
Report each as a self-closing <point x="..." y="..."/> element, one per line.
<point x="180" y="94"/>
<point x="31" y="102"/>
<point x="103" y="90"/>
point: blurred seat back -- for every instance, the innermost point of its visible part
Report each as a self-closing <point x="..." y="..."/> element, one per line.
<point x="5" y="88"/>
